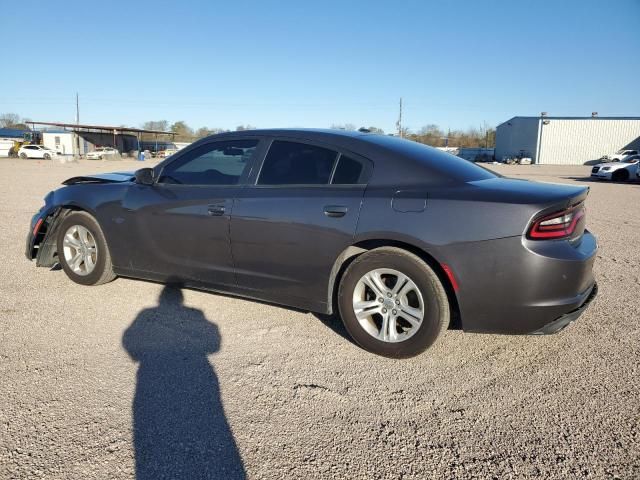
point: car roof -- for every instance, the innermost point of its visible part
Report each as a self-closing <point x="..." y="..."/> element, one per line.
<point x="397" y="161"/>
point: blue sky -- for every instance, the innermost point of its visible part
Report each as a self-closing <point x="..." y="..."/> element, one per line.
<point x="311" y="64"/>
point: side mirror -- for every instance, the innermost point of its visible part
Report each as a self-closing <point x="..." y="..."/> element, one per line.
<point x="144" y="176"/>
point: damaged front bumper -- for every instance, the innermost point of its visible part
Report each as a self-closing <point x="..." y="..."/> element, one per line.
<point x="41" y="239"/>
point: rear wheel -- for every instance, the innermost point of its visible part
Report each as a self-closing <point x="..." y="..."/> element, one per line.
<point x="82" y="250"/>
<point x="392" y="303"/>
<point x="23" y="155"/>
<point x="620" y="176"/>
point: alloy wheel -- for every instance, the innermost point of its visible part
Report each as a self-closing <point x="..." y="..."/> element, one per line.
<point x="80" y="250"/>
<point x="388" y="305"/>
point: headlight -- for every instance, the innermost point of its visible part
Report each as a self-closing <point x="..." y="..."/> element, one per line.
<point x="606" y="169"/>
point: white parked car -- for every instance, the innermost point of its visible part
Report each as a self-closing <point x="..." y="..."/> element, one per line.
<point x="36" y="151"/>
<point x="166" y="153"/>
<point x="619" y="171"/>
<point x="101" y="152"/>
<point x="621" y="155"/>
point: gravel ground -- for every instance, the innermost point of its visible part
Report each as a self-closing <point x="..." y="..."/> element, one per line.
<point x="212" y="386"/>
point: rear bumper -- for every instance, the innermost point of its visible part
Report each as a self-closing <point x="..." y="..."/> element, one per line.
<point x="564" y="320"/>
<point x="518" y="286"/>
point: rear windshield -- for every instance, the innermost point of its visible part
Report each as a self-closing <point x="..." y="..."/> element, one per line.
<point x="446" y="164"/>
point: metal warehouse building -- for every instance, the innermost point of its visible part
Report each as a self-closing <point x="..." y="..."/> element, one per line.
<point x="566" y="140"/>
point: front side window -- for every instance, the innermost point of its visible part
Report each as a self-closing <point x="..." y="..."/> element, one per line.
<point x="220" y="163"/>
<point x="293" y="163"/>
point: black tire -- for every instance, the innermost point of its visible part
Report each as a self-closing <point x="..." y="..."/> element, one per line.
<point x="103" y="270"/>
<point x="23" y="156"/>
<point x="47" y="156"/>
<point x="436" y="316"/>
<point x="620" y="176"/>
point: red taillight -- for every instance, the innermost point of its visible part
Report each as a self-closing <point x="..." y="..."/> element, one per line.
<point x="557" y="225"/>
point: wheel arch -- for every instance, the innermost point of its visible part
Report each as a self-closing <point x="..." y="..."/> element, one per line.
<point x="350" y="253"/>
<point x="47" y="248"/>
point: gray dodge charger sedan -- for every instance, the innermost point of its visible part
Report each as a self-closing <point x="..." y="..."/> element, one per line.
<point x="401" y="240"/>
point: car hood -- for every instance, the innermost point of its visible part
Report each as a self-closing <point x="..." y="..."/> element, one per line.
<point x="614" y="164"/>
<point x="114" y="177"/>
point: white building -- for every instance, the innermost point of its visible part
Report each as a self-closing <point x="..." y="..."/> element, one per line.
<point x="566" y="140"/>
<point x="63" y="142"/>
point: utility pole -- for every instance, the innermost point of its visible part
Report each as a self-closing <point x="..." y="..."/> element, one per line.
<point x="399" y="122"/>
<point x="77" y="125"/>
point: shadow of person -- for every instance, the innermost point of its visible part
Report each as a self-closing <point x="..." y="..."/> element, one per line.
<point x="179" y="427"/>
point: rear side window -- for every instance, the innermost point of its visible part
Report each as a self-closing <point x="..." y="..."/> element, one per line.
<point x="292" y="163"/>
<point x="348" y="172"/>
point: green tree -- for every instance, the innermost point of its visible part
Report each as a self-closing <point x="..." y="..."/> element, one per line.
<point x="184" y="133"/>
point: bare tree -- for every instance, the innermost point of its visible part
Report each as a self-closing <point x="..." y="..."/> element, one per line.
<point x="161" y="125"/>
<point x="10" y="120"/>
<point x="346" y="126"/>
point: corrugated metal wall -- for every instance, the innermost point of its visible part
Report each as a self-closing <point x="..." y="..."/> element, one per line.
<point x="519" y="133"/>
<point x="577" y="141"/>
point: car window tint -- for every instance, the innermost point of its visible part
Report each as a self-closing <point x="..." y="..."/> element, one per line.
<point x="292" y="163"/>
<point x="220" y="163"/>
<point x="349" y="171"/>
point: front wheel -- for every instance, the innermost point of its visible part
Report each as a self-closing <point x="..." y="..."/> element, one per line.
<point x="620" y="176"/>
<point x="47" y="156"/>
<point x="82" y="250"/>
<point x="392" y="303"/>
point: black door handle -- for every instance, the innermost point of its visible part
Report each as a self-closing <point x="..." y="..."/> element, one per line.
<point x="216" y="210"/>
<point x="335" y="211"/>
